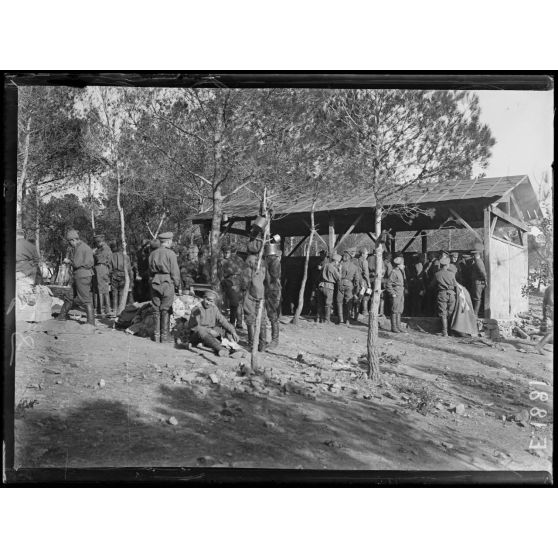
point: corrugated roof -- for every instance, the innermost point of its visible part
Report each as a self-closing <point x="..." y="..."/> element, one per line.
<point x="247" y="205"/>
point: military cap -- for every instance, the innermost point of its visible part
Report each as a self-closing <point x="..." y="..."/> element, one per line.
<point x="210" y="292"/>
<point x="165" y="236"/>
<point x="226" y="248"/>
<point x="398" y="260"/>
<point x="444" y="260"/>
<point x="72" y="234"/>
<point x="99" y="237"/>
<point x="336" y="257"/>
<point x="454" y="254"/>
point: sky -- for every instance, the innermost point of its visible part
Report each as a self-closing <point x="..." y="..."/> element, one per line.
<point x="522" y="124"/>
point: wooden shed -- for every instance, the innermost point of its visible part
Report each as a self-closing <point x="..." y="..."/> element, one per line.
<point x="493" y="210"/>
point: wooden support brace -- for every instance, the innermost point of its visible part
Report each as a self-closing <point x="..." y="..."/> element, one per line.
<point x="424" y="241"/>
<point x="516" y="207"/>
<point x="298" y="245"/>
<point x="240" y="232"/>
<point x="331" y="231"/>
<point x="509" y="219"/>
<point x="493" y="226"/>
<point x="227" y="228"/>
<point x="374" y="239"/>
<point x="465" y="224"/>
<point x="410" y="241"/>
<point x="349" y="230"/>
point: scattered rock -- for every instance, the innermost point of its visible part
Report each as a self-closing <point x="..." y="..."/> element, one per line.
<point x="214" y="378"/>
<point x="269" y="424"/>
<point x="333" y="444"/>
<point x="102" y="383"/>
<point x="206" y="461"/>
<point x="50" y="371"/>
<point x="58" y="382"/>
<point x="459" y="409"/>
<point x="439" y="406"/>
<point x="74" y="365"/>
<point x="388" y="395"/>
<point x="446" y="445"/>
<point x="173" y="421"/>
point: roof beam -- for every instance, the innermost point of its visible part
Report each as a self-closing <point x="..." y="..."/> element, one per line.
<point x="349" y="230"/>
<point x="465" y="224"/>
<point x="508" y="218"/>
<point x="410" y="241"/>
<point x="516" y="206"/>
<point x="298" y="245"/>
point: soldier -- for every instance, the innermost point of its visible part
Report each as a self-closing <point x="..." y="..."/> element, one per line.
<point x="165" y="278"/>
<point x="478" y="279"/>
<point x="27" y="257"/>
<point x="416" y="285"/>
<point x="548" y="314"/>
<point x="444" y="284"/>
<point x="103" y="262"/>
<point x="385" y="301"/>
<point x="253" y="286"/>
<point x="395" y="288"/>
<point x="230" y="275"/>
<point x="272" y="286"/>
<point x="329" y="278"/>
<point x="119" y="267"/>
<point x="204" y="265"/>
<point x="82" y="261"/>
<point x="361" y="302"/>
<point x="346" y="287"/>
<point x="189" y="268"/>
<point x="143" y="271"/>
<point x="208" y="326"/>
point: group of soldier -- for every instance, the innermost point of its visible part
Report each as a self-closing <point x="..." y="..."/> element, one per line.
<point x="426" y="284"/>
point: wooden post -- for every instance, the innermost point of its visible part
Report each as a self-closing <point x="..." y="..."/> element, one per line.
<point x="331" y="235"/>
<point x="283" y="245"/>
<point x="487" y="236"/>
<point x="393" y="243"/>
<point x="424" y="242"/>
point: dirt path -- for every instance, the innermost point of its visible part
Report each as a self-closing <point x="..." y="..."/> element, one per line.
<point x="105" y="398"/>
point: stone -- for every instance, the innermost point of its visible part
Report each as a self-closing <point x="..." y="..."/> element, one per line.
<point x="214" y="378"/>
<point x="206" y="461"/>
<point x="173" y="421"/>
<point x="459" y="409"/>
<point x="446" y="445"/>
<point x="102" y="383"/>
<point x="50" y="371"/>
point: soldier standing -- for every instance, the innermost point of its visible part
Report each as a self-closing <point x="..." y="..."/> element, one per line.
<point x="445" y="284"/>
<point x="165" y="278"/>
<point x="103" y="261"/>
<point x="361" y="306"/>
<point x="253" y="286"/>
<point x="119" y="267"/>
<point x="385" y="301"/>
<point x="82" y="261"/>
<point x="478" y="279"/>
<point x="229" y="273"/>
<point x="346" y="287"/>
<point x="189" y="268"/>
<point x="204" y="265"/>
<point x="416" y="285"/>
<point x="329" y="278"/>
<point x="272" y="286"/>
<point x="395" y="288"/>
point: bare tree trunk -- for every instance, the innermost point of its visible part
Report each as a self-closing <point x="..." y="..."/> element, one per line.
<point x="91" y="207"/>
<point x="258" y="325"/>
<point x="22" y="182"/>
<point x="124" y="297"/>
<point x="215" y="233"/>
<point x="372" y="341"/>
<point x="37" y="221"/>
<point x="305" y="273"/>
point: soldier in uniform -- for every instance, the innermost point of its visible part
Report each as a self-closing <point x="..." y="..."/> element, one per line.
<point x="142" y="277"/>
<point x="416" y="285"/>
<point x="253" y="286"/>
<point x="82" y="262"/>
<point x="346" y="287"/>
<point x="27" y="257"/>
<point x="272" y="289"/>
<point x="395" y="288"/>
<point x="189" y="268"/>
<point x="361" y="302"/>
<point x="119" y="267"/>
<point x="165" y="278"/>
<point x="455" y="266"/>
<point x="229" y="271"/>
<point x="208" y="326"/>
<point x="444" y="284"/>
<point x="204" y="265"/>
<point x="329" y="278"/>
<point x="478" y="279"/>
<point x="103" y="261"/>
<point x="385" y="301"/>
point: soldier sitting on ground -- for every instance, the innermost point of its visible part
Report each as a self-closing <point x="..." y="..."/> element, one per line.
<point x="208" y="326"/>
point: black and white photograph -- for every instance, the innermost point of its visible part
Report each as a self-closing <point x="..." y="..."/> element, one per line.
<point x="310" y="276"/>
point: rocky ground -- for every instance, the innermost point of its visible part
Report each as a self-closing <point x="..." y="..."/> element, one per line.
<point x="104" y="398"/>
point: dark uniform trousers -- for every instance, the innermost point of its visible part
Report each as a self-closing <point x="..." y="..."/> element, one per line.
<point x="203" y="335"/>
<point x="446" y="302"/>
<point x="163" y="292"/>
<point x="398" y="302"/>
<point x="273" y="304"/>
<point x="325" y="299"/>
<point x="233" y="299"/>
<point x="81" y="291"/>
<point x="344" y="299"/>
<point x="476" y="295"/>
<point x="251" y="306"/>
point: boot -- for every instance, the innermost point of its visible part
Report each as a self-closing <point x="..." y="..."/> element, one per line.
<point x="444" y="326"/>
<point x="327" y="318"/>
<point x="340" y="313"/>
<point x="165" y="319"/>
<point x="250" y="328"/>
<point x="233" y="315"/>
<point x="106" y="303"/>
<point x="157" y="326"/>
<point x="394" y="323"/>
<point x="63" y="315"/>
<point x="274" y="335"/>
<point x="90" y="313"/>
<point x="398" y="318"/>
<point x="113" y="305"/>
